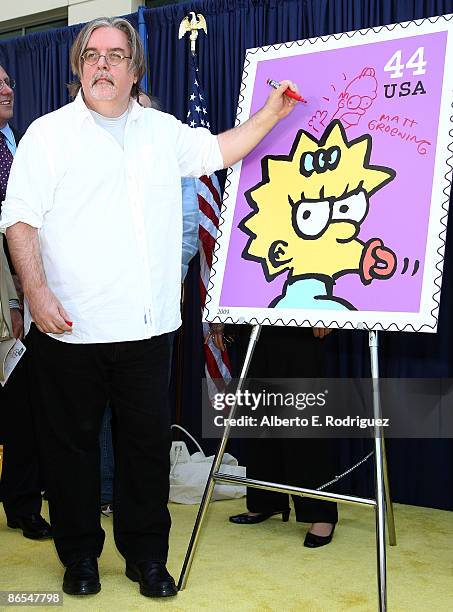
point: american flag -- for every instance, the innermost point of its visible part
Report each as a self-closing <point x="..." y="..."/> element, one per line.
<point x="217" y="363"/>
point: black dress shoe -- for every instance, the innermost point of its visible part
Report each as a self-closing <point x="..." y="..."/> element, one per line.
<point x="246" y="519"/>
<point x="315" y="541"/>
<point x="82" y="577"/>
<point x="33" y="526"/>
<point x="153" y="577"/>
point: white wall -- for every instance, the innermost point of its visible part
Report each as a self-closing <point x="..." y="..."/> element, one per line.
<point x="85" y="10"/>
<point x="15" y="11"/>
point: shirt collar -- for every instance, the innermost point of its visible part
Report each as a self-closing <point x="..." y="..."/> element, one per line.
<point x="135" y="110"/>
<point x="8" y="133"/>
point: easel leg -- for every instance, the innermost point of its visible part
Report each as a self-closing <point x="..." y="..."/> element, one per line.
<point x="207" y="495"/>
<point x="380" y="526"/>
<point x="388" y="500"/>
<point x="379" y="478"/>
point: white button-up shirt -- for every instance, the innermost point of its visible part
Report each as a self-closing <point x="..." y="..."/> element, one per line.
<point x="109" y="219"/>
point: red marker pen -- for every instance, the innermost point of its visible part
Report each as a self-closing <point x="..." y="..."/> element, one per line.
<point x="289" y="92"/>
<point x="68" y="323"/>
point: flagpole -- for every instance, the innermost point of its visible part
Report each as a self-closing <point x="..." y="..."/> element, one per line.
<point x="144" y="37"/>
<point x="217" y="364"/>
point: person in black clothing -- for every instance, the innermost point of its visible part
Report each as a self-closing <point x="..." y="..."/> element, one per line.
<point x="289" y="352"/>
<point x="20" y="486"/>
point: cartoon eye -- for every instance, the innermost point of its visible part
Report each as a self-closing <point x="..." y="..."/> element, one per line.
<point x="354" y="102"/>
<point x="310" y="219"/>
<point x="334" y="155"/>
<point x="366" y="102"/>
<point x="327" y="158"/>
<point x="353" y="208"/>
<point x="306" y="164"/>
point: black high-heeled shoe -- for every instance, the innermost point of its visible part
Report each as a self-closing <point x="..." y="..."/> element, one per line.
<point x="315" y="541"/>
<point x="246" y="519"/>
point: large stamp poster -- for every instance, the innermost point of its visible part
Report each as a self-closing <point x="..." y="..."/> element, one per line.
<point x="338" y="217"/>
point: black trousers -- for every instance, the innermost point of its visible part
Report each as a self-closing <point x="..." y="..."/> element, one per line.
<point x="305" y="463"/>
<point x="288" y="352"/>
<point x="22" y="478"/>
<point x="75" y="381"/>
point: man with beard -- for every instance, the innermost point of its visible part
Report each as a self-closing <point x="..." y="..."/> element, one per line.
<point x="94" y="223"/>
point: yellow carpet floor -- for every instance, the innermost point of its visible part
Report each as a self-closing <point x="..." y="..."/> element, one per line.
<point x="262" y="568"/>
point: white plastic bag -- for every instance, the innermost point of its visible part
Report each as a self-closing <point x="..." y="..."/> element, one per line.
<point x="189" y="474"/>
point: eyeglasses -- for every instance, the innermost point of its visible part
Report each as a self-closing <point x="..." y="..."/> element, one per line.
<point x="113" y="58"/>
<point x="11" y="83"/>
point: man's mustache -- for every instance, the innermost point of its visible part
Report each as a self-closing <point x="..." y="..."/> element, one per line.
<point x="102" y="75"/>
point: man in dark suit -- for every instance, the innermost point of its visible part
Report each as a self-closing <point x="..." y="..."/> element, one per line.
<point x="20" y="485"/>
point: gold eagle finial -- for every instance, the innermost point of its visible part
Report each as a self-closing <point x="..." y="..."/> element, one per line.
<point x="192" y="25"/>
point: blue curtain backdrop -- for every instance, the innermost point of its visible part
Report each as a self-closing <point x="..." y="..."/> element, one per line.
<point x="40" y="64"/>
<point x="421" y="471"/>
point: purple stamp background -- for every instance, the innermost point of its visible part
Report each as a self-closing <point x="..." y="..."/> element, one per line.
<point x="399" y="213"/>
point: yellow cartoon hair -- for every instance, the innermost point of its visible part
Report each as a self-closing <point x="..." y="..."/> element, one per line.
<point x="290" y="176"/>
